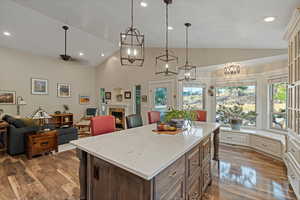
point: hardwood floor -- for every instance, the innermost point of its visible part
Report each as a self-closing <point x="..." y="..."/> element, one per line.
<point x="247" y="175"/>
<point x="244" y="175"/>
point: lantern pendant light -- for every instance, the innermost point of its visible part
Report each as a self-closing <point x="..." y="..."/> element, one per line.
<point x="164" y="61"/>
<point x="188" y="71"/>
<point x="132" y="45"/>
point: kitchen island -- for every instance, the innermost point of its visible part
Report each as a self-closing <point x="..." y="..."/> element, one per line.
<point x="138" y="164"/>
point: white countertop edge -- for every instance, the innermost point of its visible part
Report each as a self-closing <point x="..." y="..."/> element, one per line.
<point x="144" y="176"/>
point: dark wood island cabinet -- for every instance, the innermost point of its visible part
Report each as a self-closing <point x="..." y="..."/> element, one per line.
<point x="185" y="178"/>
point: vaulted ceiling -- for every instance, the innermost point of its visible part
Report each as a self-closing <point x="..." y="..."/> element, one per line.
<point x="35" y="25"/>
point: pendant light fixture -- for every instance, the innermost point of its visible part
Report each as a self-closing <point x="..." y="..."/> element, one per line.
<point x="164" y="61"/>
<point x="132" y="45"/>
<point x="187" y="70"/>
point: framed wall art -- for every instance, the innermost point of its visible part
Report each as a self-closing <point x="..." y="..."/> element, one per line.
<point x="63" y="90"/>
<point x="83" y="99"/>
<point x="39" y="86"/>
<point x="108" y="95"/>
<point x="7" y="97"/>
<point x="127" y="95"/>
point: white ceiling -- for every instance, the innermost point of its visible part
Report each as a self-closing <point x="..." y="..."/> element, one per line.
<point x="96" y="24"/>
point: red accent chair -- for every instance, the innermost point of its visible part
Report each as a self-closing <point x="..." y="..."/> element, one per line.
<point x="102" y="125"/>
<point x="201" y="115"/>
<point x="153" y="117"/>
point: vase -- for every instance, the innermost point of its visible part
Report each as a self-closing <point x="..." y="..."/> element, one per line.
<point x="235" y="124"/>
<point x="177" y="122"/>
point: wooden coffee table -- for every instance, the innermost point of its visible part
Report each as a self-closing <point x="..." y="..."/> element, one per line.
<point x="41" y="143"/>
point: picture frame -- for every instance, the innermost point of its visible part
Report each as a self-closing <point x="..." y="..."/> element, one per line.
<point x="7" y="97"/>
<point x="39" y="86"/>
<point x="108" y="95"/>
<point x="127" y="95"/>
<point x="144" y="98"/>
<point x="63" y="90"/>
<point x="84" y="99"/>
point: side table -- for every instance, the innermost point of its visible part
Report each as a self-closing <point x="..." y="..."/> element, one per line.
<point x="3" y="136"/>
<point x="40" y="143"/>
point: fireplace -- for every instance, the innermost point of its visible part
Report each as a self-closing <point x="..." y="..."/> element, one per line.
<point x="119" y="114"/>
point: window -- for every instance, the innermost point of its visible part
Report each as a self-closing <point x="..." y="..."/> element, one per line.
<point x="193" y="98"/>
<point x="243" y="96"/>
<point x="161" y="101"/>
<point x="278" y="98"/>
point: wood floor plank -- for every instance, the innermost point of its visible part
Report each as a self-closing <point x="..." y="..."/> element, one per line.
<point x="15" y="187"/>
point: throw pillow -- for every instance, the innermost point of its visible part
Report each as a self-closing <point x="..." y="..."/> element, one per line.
<point x="29" y="122"/>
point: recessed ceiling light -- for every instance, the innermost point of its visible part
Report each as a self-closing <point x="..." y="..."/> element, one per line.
<point x="6" y="33"/>
<point x="269" y="19"/>
<point x="170" y="28"/>
<point x="81" y="54"/>
<point x="144" y="4"/>
<point x="102" y="54"/>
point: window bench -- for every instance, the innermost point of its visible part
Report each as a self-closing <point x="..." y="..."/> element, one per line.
<point x="267" y="142"/>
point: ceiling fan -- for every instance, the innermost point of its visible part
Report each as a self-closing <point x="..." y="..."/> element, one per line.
<point x="67" y="57"/>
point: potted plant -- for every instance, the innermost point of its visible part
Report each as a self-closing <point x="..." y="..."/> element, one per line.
<point x="178" y="117"/>
<point x="66" y="108"/>
<point x="235" y="116"/>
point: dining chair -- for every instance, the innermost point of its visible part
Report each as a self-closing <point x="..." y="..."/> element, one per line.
<point x="133" y="121"/>
<point x="153" y="117"/>
<point x="103" y="125"/>
<point x="201" y="115"/>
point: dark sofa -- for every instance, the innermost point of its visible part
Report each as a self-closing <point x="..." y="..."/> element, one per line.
<point x="17" y="135"/>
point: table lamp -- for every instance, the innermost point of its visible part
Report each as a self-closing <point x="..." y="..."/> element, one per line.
<point x="41" y="115"/>
<point x="20" y="102"/>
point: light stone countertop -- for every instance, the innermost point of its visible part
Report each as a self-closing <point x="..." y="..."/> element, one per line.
<point x="143" y="152"/>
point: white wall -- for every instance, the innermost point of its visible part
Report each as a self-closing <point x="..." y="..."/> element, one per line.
<point x="17" y="68"/>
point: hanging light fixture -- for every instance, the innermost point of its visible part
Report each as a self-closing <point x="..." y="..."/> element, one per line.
<point x="164" y="61"/>
<point x="232" y="68"/>
<point x="132" y="45"/>
<point x="188" y="70"/>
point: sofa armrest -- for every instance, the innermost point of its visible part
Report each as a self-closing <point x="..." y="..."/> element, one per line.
<point x="16" y="139"/>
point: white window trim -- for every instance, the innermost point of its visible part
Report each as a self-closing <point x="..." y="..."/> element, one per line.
<point x="271" y="81"/>
<point x="181" y="85"/>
